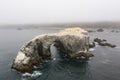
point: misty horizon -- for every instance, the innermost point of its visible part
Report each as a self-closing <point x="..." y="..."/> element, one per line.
<point x="54" y="11"/>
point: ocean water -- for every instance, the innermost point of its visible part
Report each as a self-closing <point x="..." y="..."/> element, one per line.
<point x="104" y="66"/>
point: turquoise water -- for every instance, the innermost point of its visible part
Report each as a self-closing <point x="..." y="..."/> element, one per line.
<point x="104" y="66"/>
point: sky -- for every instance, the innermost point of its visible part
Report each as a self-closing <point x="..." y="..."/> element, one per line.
<point x="58" y="11"/>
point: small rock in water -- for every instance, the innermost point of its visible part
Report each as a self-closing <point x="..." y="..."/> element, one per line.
<point x="115" y="31"/>
<point x="97" y="40"/>
<point x="91" y="44"/>
<point x="112" y="31"/>
<point x="100" y="30"/>
<point x="104" y="43"/>
<point x="90" y="31"/>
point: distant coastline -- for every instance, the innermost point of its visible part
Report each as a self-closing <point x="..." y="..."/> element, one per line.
<point x="107" y="25"/>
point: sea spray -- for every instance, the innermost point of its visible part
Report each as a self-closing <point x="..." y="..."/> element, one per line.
<point x="29" y="76"/>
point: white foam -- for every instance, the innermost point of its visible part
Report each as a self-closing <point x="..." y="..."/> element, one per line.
<point x="26" y="74"/>
<point x="34" y="74"/>
<point x="35" y="67"/>
<point x="91" y="49"/>
<point x="54" y="59"/>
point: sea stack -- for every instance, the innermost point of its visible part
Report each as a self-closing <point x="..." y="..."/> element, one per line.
<point x="71" y="43"/>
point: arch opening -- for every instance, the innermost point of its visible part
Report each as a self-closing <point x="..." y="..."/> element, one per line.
<point x="54" y="52"/>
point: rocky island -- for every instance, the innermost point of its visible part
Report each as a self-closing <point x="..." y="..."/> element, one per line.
<point x="72" y="43"/>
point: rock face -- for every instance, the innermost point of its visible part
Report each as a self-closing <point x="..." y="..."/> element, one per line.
<point x="70" y="42"/>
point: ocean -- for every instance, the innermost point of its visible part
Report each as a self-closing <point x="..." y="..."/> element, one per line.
<point x="104" y="66"/>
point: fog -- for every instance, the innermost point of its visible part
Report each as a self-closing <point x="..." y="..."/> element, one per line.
<point x="58" y="11"/>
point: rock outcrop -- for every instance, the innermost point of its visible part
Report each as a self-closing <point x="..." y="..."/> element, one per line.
<point x="104" y="42"/>
<point x="71" y="43"/>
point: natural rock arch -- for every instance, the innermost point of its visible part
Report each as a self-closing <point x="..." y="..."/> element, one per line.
<point x="71" y="43"/>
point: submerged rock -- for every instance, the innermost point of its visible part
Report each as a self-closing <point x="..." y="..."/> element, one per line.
<point x="115" y="31"/>
<point x="68" y="41"/>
